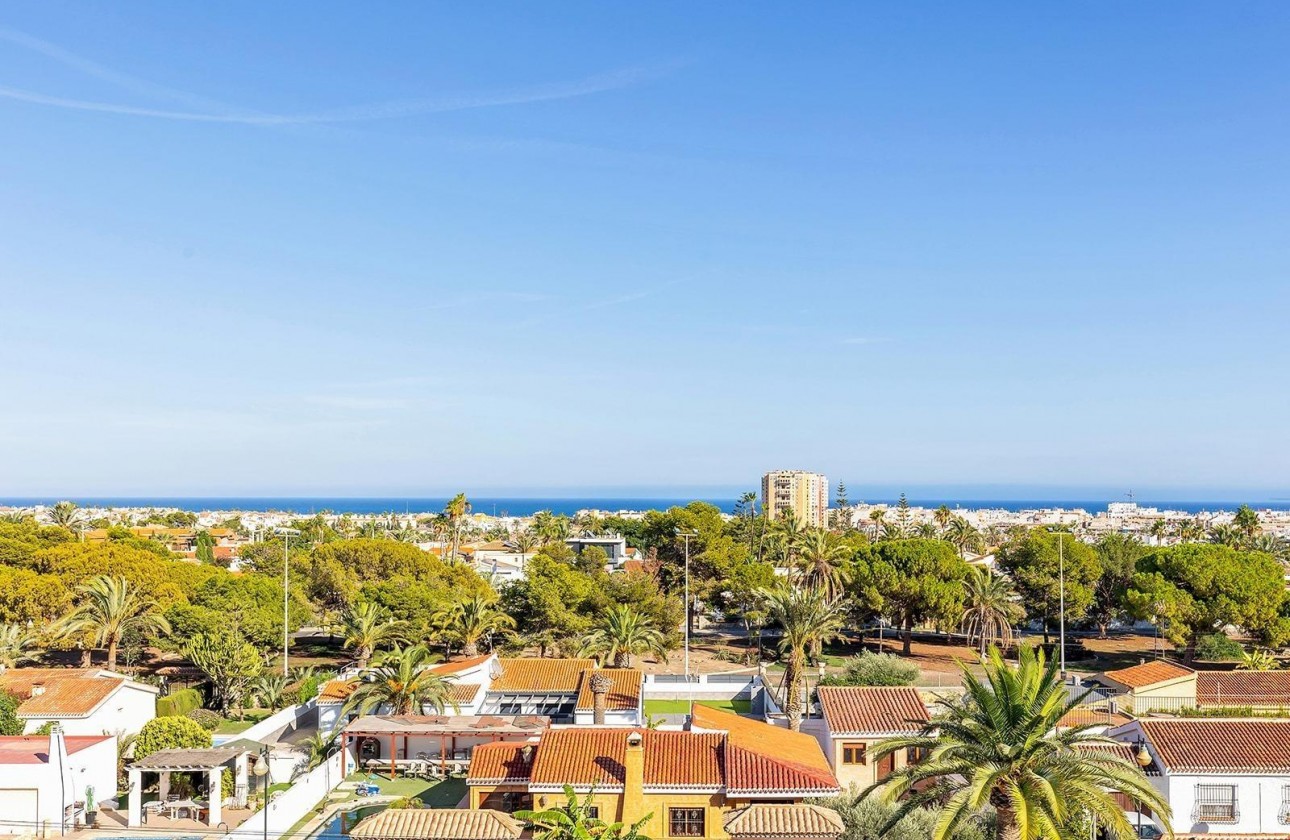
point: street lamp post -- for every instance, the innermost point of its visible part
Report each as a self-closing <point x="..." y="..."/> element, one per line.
<point x="286" y="533"/>
<point x="262" y="770"/>
<point x="689" y="687"/>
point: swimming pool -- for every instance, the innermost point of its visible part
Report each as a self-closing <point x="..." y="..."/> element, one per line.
<point x="338" y="826"/>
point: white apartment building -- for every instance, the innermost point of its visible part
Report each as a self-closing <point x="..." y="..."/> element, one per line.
<point x="804" y="493"/>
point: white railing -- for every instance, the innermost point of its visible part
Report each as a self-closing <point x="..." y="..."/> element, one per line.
<point x="293" y="804"/>
<point x="700" y="686"/>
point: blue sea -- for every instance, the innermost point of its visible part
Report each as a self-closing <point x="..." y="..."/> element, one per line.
<point x="525" y="506"/>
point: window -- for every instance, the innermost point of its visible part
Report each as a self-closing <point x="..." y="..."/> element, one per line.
<point x="1216" y="803"/>
<point x="913" y="755"/>
<point x="593" y="811"/>
<point x="685" y="822"/>
<point x="854" y="753"/>
<point x="508" y="802"/>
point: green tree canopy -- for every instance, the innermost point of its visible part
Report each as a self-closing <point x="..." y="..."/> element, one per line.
<point x="920" y="580"/>
<point x="168" y="733"/>
<point x="1033" y="560"/>
<point x="1195" y="588"/>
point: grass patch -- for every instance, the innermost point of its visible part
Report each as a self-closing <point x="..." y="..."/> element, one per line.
<point x="681" y="707"/>
<point x="445" y="793"/>
<point x="233" y="726"/>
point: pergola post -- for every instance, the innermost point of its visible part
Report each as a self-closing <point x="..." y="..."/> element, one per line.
<point x="240" y="781"/>
<point x="134" y="814"/>
<point x="216" y="796"/>
<point x="394" y="764"/>
<point x="163" y="785"/>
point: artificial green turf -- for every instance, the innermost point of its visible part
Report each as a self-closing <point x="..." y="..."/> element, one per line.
<point x="681" y="707"/>
<point x="445" y="793"/>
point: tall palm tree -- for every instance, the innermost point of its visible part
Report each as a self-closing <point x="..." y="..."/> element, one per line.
<point x="822" y="559"/>
<point x="624" y="633"/>
<point x="456" y="509"/>
<point x="806" y="618"/>
<point x="403" y="682"/>
<point x="368" y="626"/>
<point x="963" y="535"/>
<point x="1228" y="535"/>
<point x="472" y="619"/>
<point x="943" y="516"/>
<point x="270" y="691"/>
<point x="65" y="514"/>
<point x="991" y="609"/>
<point x="112" y="606"/>
<point x="877" y="516"/>
<point x="16" y="642"/>
<point x="999" y="745"/>
<point x="1160" y="529"/>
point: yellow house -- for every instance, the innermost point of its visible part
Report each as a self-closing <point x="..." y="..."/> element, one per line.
<point x="727" y="776"/>
<point x="1159" y="685"/>
<point x="856" y="718"/>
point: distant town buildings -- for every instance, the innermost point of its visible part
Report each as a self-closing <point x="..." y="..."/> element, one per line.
<point x="804" y="493"/>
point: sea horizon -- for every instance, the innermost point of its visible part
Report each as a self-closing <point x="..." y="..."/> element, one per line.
<point x="571" y="504"/>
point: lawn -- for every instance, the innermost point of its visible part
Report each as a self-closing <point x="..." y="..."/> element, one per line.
<point x="441" y="794"/>
<point x="233" y="726"/>
<point x="681" y="707"/>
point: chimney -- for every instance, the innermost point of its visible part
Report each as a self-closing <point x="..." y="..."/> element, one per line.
<point x="600" y="696"/>
<point x="634" y="778"/>
<point x="37" y="689"/>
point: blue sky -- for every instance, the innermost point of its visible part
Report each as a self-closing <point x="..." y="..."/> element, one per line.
<point x="410" y="248"/>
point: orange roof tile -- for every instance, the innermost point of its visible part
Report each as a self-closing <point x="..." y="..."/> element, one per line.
<point x="540" y="674"/>
<point x="70" y="697"/>
<point x="18" y="681"/>
<point x="1088" y="716"/>
<point x="336" y="691"/>
<point x="1148" y="673"/>
<point x="459" y="665"/>
<point x="501" y="761"/>
<point x="1243" y="688"/>
<point x="438" y="824"/>
<point x="34" y="749"/>
<point x="854" y="710"/>
<point x="787" y="820"/>
<point x="624" y="690"/>
<point x="763" y="757"/>
<point x="1218" y="745"/>
<point x="463" y="693"/>
<point x="582" y="756"/>
<point x="1125" y="751"/>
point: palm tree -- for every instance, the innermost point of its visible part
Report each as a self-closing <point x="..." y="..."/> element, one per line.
<point x="1191" y="530"/>
<point x="821" y="561"/>
<point x="1159" y="529"/>
<point x="963" y="535"/>
<point x="269" y="691"/>
<point x="1247" y="522"/>
<point x="1228" y="535"/>
<point x="876" y="516"/>
<point x="991" y="609"/>
<point x="943" y="516"/>
<point x="575" y="820"/>
<point x="111" y="607"/>
<point x="549" y="527"/>
<point x="1259" y="659"/>
<point x="368" y="626"/>
<point x="65" y="514"/>
<point x="624" y="633"/>
<point x="15" y="642"/>
<point x="456" y="509"/>
<point x="474" y="618"/>
<point x="320" y="747"/>
<point x="1000" y="746"/>
<point x="806" y="618"/>
<point x="403" y="682"/>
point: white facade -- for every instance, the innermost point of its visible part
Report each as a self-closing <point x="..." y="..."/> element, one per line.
<point x="33" y="797"/>
<point x="124" y="711"/>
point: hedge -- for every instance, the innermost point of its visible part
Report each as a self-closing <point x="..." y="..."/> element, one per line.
<point x="179" y="702"/>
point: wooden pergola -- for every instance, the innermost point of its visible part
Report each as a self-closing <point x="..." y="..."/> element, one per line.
<point x="447" y="730"/>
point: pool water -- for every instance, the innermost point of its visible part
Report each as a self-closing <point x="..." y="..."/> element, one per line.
<point x="342" y="821"/>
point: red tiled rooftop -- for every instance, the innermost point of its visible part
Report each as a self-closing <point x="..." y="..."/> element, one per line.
<point x="624" y="690"/>
<point x="34" y="749"/>
<point x="1149" y="673"/>
<point x="583" y="756"/>
<point x="540" y="674"/>
<point x="872" y="709"/>
<point x="459" y="665"/>
<point x="502" y="761"/>
<point x="760" y="756"/>
<point x="1213" y="745"/>
<point x="1243" y="688"/>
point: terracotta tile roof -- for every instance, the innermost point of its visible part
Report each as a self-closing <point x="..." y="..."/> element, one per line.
<point x="18" y="681"/>
<point x="813" y="821"/>
<point x="582" y="756"/>
<point x="1243" y="688"/>
<point x="853" y="710"/>
<point x="463" y="693"/>
<point x="336" y="691"/>
<point x="1148" y="673"/>
<point x="34" y="749"/>
<point x="1218" y="745"/>
<point x="1124" y="751"/>
<point x="624" y="690"/>
<point x="457" y="666"/>
<point x="501" y="761"/>
<point x="762" y="757"/>
<point x="540" y="674"/>
<point x="70" y="697"/>
<point x="1085" y="716"/>
<point x="438" y="824"/>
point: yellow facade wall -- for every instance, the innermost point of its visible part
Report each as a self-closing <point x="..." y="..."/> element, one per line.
<point x="656" y="805"/>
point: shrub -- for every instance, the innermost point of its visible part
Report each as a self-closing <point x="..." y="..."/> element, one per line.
<point x="875" y="669"/>
<point x="45" y="728"/>
<point x="410" y="802"/>
<point x="864" y="819"/>
<point x="308" y="688"/>
<point x="1217" y="647"/>
<point x="179" y="702"/>
<point x="166" y="733"/>
<point x="205" y="718"/>
<point x="9" y="721"/>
